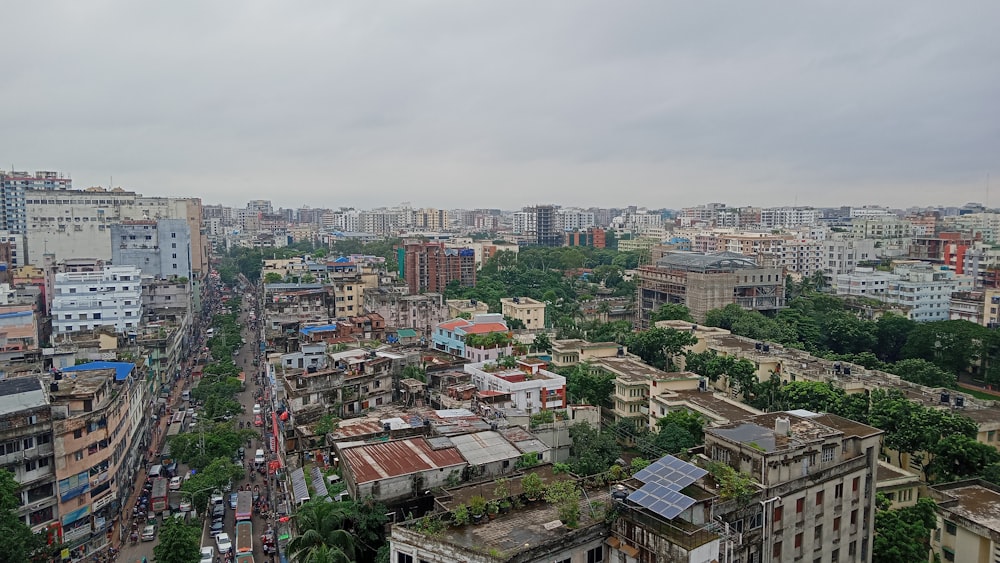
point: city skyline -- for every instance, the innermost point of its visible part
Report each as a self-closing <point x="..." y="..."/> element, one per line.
<point x="662" y="105"/>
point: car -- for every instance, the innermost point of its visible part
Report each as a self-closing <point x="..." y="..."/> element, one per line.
<point x="185" y="505"/>
<point x="232" y="500"/>
<point x="216" y="527"/>
<point x="258" y="421"/>
<point x="148" y="533"/>
<point x="258" y="457"/>
<point x="175" y="483"/>
<point x="256" y="408"/>
<point x="207" y="554"/>
<point x="218" y="511"/>
<point x="216" y="497"/>
<point x="223" y="542"/>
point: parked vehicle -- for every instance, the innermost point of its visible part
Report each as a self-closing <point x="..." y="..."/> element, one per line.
<point x="148" y="533"/>
<point x="244" y="537"/>
<point x="175" y="483"/>
<point x="244" y="505"/>
<point x="223" y="543"/>
<point x="207" y="554"/>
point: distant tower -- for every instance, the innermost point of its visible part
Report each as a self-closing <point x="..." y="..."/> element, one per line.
<point x="546" y="230"/>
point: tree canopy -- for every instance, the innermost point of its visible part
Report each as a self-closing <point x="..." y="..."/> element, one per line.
<point x="19" y="543"/>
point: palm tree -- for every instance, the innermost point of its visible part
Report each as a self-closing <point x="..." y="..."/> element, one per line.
<point x="322" y="537"/>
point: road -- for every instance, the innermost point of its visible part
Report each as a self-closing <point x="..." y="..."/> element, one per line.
<point x="244" y="359"/>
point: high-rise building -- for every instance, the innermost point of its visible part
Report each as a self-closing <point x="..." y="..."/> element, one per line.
<point x="547" y="226"/>
<point x="161" y="249"/>
<point x="430" y="266"/>
<point x="13" y="185"/>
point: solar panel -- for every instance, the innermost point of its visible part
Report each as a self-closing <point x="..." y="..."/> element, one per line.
<point x="662" y="482"/>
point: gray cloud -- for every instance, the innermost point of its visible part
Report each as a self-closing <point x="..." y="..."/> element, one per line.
<point x="461" y="104"/>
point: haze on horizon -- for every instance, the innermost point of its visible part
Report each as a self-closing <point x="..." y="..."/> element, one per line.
<point x="453" y="103"/>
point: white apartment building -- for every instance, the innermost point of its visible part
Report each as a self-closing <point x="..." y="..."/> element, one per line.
<point x="802" y="256"/>
<point x="921" y="290"/>
<point x="524" y="222"/>
<point x="569" y="219"/>
<point x="348" y="220"/>
<point x="842" y="255"/>
<point x="779" y="217"/>
<point x="638" y="221"/>
<point x="530" y="387"/>
<point x="986" y="224"/>
<point x="18" y="252"/>
<point x="867" y="211"/>
<point x="85" y="300"/>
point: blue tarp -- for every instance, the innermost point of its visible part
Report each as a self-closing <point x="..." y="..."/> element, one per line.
<point x="122" y="369"/>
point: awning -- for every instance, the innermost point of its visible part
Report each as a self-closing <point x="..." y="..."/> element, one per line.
<point x="406" y="333"/>
<point x="299" y="487"/>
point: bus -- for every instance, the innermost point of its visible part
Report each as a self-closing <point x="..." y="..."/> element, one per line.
<point x="158" y="498"/>
<point x="244" y="505"/>
<point x="244" y="537"/>
<point x="244" y="558"/>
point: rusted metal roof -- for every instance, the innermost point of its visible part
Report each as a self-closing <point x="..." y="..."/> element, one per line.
<point x="383" y="460"/>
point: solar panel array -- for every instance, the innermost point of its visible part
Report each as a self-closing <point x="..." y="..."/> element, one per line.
<point x="662" y="482"/>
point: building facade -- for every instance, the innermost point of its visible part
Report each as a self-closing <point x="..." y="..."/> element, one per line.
<point x="161" y="248"/>
<point x="85" y="300"/>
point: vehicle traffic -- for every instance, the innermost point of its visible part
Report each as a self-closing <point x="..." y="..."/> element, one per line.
<point x="158" y="496"/>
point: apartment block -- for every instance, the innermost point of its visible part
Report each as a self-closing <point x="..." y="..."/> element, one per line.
<point x="429" y="266"/>
<point x="86" y="300"/>
<point x="466" y="307"/>
<point x="967" y="530"/>
<point x="570" y="352"/>
<point x="26" y="450"/>
<point x="816" y="474"/>
<point x="100" y="427"/>
<point x="531" y="388"/>
<point x="703" y="282"/>
<point x="525" y="309"/>
<point x="456" y="337"/>
<point x="419" y="312"/>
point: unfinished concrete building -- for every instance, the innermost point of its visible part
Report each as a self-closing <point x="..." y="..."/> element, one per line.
<point x="703" y="282"/>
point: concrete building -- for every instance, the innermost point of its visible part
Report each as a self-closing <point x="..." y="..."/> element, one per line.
<point x="816" y="474"/>
<point x="161" y="248"/>
<point x="703" y="282"/>
<point x="525" y="309"/>
<point x="100" y="427"/>
<point x="419" y="312"/>
<point x="547" y="231"/>
<point x="430" y="266"/>
<point x="781" y="217"/>
<point x="531" y="387"/>
<point x="13" y="186"/>
<point x="466" y="307"/>
<point x="453" y="337"/>
<point x="26" y="450"/>
<point x="967" y="530"/>
<point x="923" y="292"/>
<point x="110" y="297"/>
<point x="570" y="352"/>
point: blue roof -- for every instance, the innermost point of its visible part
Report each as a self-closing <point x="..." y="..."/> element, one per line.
<point x="122" y="369"/>
<point x="16" y="314"/>
<point x="312" y="329"/>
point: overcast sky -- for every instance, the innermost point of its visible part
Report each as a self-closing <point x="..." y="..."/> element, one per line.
<point x="468" y="103"/>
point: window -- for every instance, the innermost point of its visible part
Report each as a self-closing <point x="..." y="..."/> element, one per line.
<point x="777" y="513"/>
<point x="595" y="555"/>
<point x="855" y="483"/>
<point x="836" y="524"/>
<point x="404" y="558"/>
<point x="776" y="549"/>
<point x="950" y="528"/>
<point x="949" y="553"/>
<point x="838" y="491"/>
<point x="854" y="518"/>
<point x="798" y="540"/>
<point x="800" y="505"/>
<point x="819" y="498"/>
<point x="828" y="454"/>
<point x="78" y="433"/>
<point x="818" y="533"/>
<point x="78" y="456"/>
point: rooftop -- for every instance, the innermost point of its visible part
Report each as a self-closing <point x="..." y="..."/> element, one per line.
<point x="729" y="410"/>
<point x="484" y="447"/>
<point x="383" y="460"/>
<point x="692" y="261"/>
<point x="976" y="502"/>
<point x="21" y="393"/>
<point x="630" y="369"/>
<point x="122" y="369"/>
<point x="759" y="432"/>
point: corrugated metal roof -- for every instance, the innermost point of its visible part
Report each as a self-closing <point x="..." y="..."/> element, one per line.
<point x="483" y="328"/>
<point x="383" y="460"/>
<point x="485" y="447"/>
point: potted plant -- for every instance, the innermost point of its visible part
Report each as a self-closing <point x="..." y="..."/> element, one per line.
<point x="460" y="516"/>
<point x="504" y="506"/>
<point x="477" y="507"/>
<point x="492" y="508"/>
<point x="532" y="486"/>
<point x="502" y="489"/>
<point x="566" y="496"/>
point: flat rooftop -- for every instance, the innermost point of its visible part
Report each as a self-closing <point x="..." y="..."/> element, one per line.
<point x="635" y="370"/>
<point x="758" y="432"/>
<point x="978" y="504"/>
<point x="730" y="410"/>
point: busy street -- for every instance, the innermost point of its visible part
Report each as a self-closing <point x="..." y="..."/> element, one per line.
<point x="226" y="532"/>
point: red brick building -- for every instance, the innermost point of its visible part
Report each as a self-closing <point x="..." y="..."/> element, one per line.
<point x="430" y="266"/>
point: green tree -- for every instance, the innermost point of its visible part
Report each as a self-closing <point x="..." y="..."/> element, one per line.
<point x="592" y="451"/>
<point x="921" y="371"/>
<point x="659" y="346"/>
<point x="273" y="277"/>
<point x="321" y="525"/>
<point x="891" y="333"/>
<point x="588" y="385"/>
<point x="669" y="439"/>
<point x="542" y="342"/>
<point x="954" y="346"/>
<point x="178" y="542"/>
<point x="903" y="536"/>
<point x="690" y="421"/>
<point x="214" y="476"/>
<point x="19" y="543"/>
<point x="960" y="457"/>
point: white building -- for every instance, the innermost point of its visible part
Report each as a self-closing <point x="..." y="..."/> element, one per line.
<point x="778" y="217"/>
<point x="530" y="387"/>
<point x="921" y="290"/>
<point x="869" y="212"/>
<point x="570" y="219"/>
<point x="524" y="222"/>
<point x="865" y="282"/>
<point x="85" y="300"/>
